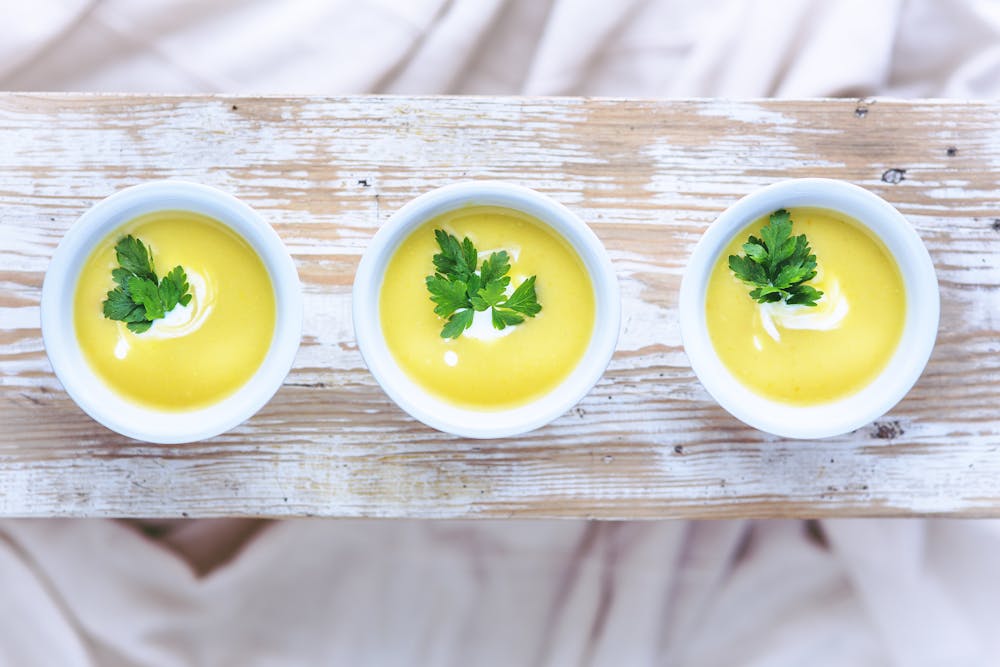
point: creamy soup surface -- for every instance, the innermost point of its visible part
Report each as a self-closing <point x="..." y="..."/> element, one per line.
<point x="484" y="368"/>
<point x="810" y="355"/>
<point x="200" y="353"/>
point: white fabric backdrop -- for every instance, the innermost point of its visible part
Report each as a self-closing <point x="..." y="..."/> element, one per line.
<point x="917" y="593"/>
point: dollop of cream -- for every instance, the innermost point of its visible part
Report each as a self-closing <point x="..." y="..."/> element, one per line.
<point x="482" y="327"/>
<point x="180" y="321"/>
<point x="828" y="313"/>
<point x="185" y="320"/>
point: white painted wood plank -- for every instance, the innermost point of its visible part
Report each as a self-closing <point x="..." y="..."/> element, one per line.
<point x="647" y="175"/>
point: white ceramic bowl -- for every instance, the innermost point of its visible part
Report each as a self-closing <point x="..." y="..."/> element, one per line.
<point x="906" y="364"/>
<point x="91" y="393"/>
<point x="434" y="411"/>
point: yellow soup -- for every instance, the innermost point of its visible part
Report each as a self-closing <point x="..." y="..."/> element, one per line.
<point x="200" y="353"/>
<point x="481" y="369"/>
<point x="808" y="355"/>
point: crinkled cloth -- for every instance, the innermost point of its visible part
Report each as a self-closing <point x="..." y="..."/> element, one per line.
<point x="913" y="593"/>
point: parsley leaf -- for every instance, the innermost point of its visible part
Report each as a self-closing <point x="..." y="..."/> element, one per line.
<point x="455" y="259"/>
<point x="778" y="264"/>
<point x="503" y="318"/>
<point x="146" y="293"/>
<point x="135" y="258"/>
<point x="524" y="300"/>
<point x="121" y="277"/>
<point x="457" y="323"/>
<point x="449" y="295"/>
<point x="119" y="305"/>
<point x="173" y="289"/>
<point x="490" y="296"/>
<point x="495" y="268"/>
<point x="458" y="291"/>
<point x="139" y="297"/>
<point x="139" y="327"/>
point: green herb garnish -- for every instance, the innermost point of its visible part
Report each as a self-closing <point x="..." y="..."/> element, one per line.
<point x="140" y="298"/>
<point x="460" y="292"/>
<point x="778" y="264"/>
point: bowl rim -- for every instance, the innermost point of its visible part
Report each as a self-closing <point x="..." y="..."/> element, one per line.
<point x="909" y="358"/>
<point x="91" y="393"/>
<point x="437" y="412"/>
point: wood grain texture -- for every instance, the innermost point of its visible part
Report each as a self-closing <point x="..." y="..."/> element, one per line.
<point x="649" y="176"/>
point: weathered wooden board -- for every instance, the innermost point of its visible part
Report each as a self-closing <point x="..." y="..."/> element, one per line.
<point x="649" y="176"/>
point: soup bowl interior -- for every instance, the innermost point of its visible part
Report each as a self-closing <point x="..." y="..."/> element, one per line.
<point x="98" y="399"/>
<point x="439" y="413"/>
<point x="903" y="368"/>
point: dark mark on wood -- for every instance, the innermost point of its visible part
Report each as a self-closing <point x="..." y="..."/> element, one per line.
<point x="861" y="111"/>
<point x="235" y="108"/>
<point x="364" y="182"/>
<point x="893" y="175"/>
<point x="952" y="151"/>
<point x="887" y="430"/>
<point x="308" y="385"/>
<point x="678" y="449"/>
<point x="31" y="398"/>
<point x="996" y="224"/>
